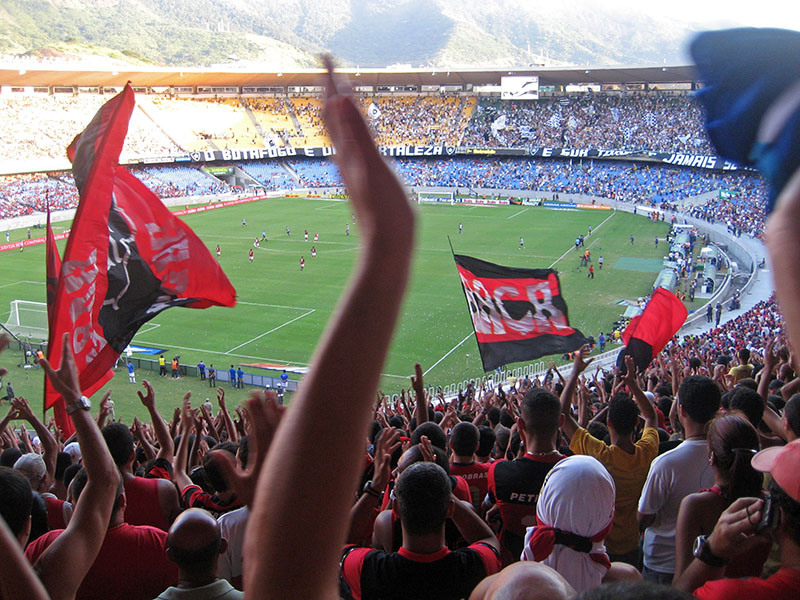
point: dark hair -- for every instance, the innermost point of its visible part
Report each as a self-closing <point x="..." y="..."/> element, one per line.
<point x="506" y="419"/>
<point x="414" y="455"/>
<point x="744" y="355"/>
<point x="119" y="441"/>
<point x="598" y="430"/>
<point x="16" y="499"/>
<point x="623" y="414"/>
<point x="70" y="472"/>
<point x="464" y="439"/>
<point x="791" y="511"/>
<point x="79" y="484"/>
<point x="486" y="441"/>
<point x="433" y="432"/>
<point x="243" y="451"/>
<point x="212" y="470"/>
<point x="541" y="411"/>
<point x="792" y="413"/>
<point x="397" y="421"/>
<point x="733" y="440"/>
<point x="695" y="363"/>
<point x="9" y="457"/>
<point x="749" y="402"/>
<point x="423" y="496"/>
<point x="374" y="429"/>
<point x="699" y="396"/>
<point x="663" y="390"/>
<point x="39" y="525"/>
<point x="748" y="382"/>
<point x="63" y="460"/>
<point x="493" y="414"/>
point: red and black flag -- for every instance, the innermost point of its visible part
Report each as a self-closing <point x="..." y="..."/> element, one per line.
<point x="518" y="314"/>
<point x="53" y="267"/>
<point x="127" y="258"/>
<point x="648" y="333"/>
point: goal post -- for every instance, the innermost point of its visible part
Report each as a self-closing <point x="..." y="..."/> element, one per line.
<point x="27" y="319"/>
<point x="435" y="197"/>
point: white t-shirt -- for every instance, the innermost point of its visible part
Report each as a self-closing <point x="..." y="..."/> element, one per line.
<point x="232" y="526"/>
<point x="673" y="476"/>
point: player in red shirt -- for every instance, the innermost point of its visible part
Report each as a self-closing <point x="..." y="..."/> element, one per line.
<point x="302" y="263"/>
<point x="219" y="252"/>
<point x="313" y="252"/>
<point x="250" y="256"/>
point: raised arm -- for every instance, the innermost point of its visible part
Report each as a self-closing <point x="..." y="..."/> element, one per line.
<point x="645" y="406"/>
<point x="331" y="412"/>
<point x="49" y="444"/>
<point x="166" y="445"/>
<point x="578" y="366"/>
<point x="65" y="563"/>
<point x="179" y="463"/>
<point x="420" y="399"/>
<point x="233" y="434"/>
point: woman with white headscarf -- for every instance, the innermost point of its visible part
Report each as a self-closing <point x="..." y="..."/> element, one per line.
<point x="573" y="516"/>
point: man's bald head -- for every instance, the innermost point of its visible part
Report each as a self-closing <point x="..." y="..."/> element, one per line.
<point x="194" y="542"/>
<point x="524" y="581"/>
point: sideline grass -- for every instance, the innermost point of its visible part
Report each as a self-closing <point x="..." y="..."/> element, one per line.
<point x="282" y="311"/>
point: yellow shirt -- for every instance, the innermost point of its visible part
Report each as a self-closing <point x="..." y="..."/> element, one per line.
<point x="629" y="472"/>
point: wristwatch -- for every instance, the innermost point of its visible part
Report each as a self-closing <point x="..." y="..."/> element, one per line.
<point x="368" y="489"/>
<point x="82" y="404"/>
<point x="702" y="552"/>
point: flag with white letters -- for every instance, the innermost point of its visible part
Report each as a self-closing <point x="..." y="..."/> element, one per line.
<point x="517" y="314"/>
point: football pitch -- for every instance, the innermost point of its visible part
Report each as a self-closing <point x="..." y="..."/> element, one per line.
<point x="282" y="311"/>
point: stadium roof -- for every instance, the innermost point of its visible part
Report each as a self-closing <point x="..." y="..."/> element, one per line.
<point x="55" y="75"/>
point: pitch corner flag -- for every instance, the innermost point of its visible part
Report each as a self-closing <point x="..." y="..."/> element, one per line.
<point x="127" y="258"/>
<point x="648" y="333"/>
<point x="518" y="314"/>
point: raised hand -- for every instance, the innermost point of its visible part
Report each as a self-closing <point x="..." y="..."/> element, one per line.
<point x="65" y="381"/>
<point x="579" y="364"/>
<point x="148" y="399"/>
<point x="388" y="442"/>
<point x="263" y="414"/>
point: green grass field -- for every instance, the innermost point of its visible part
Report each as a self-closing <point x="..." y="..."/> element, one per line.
<point x="282" y="311"/>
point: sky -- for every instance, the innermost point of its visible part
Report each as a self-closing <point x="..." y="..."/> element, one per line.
<point x="758" y="13"/>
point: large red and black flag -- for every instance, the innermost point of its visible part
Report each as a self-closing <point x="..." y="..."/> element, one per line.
<point x="518" y="314"/>
<point x="127" y="258"/>
<point x="648" y="333"/>
<point x="53" y="267"/>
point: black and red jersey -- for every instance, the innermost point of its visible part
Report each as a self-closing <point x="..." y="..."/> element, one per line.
<point x="515" y="485"/>
<point x="368" y="574"/>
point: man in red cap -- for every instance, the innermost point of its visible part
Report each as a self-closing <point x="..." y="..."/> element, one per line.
<point x="743" y="524"/>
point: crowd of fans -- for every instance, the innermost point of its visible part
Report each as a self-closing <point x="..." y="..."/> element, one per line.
<point x="653" y="121"/>
<point x="739" y="203"/>
<point x="514" y="463"/>
<point x="590" y="486"/>
<point x="644" y="122"/>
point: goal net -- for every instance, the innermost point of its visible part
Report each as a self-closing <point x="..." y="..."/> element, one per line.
<point x="434" y="197"/>
<point x="28" y="319"/>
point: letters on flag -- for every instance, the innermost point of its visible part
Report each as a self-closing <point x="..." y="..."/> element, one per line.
<point x="518" y="314"/>
<point x="127" y="258"/>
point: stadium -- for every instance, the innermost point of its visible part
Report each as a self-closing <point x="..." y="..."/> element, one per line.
<point x="268" y="142"/>
<point x="606" y="176"/>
